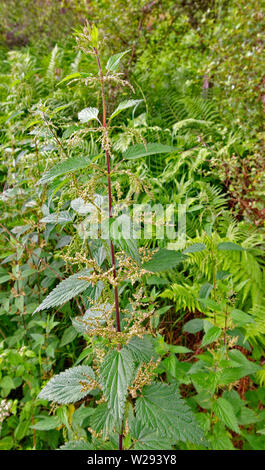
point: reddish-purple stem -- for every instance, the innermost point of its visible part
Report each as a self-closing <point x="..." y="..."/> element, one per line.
<point x="116" y="297"/>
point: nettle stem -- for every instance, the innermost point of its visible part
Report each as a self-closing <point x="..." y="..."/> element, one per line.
<point x="116" y="296"/>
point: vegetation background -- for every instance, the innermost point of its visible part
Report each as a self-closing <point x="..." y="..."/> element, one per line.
<point x="198" y="67"/>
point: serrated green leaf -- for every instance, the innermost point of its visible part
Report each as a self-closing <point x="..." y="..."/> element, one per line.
<point x="114" y="61"/>
<point x="87" y="114"/>
<point x="125" y="105"/>
<point x="57" y="218"/>
<point x="241" y="318"/>
<point x="141" y="150"/>
<point x="229" y="246"/>
<point x="205" y="290"/>
<point x="94" y="36"/>
<point x="193" y="326"/>
<point x="195" y="248"/>
<point x="68" y="336"/>
<point x="211" y="335"/>
<point x="91" y="318"/>
<point x="142" y="349"/>
<point x="211" y="304"/>
<point x="179" y="349"/>
<point x="73" y="76"/>
<point x="163" y="260"/>
<point x="47" y="423"/>
<point x="64" y="167"/>
<point x="77" y="445"/>
<point x="102" y="419"/>
<point x="116" y="373"/>
<point x="219" y="439"/>
<point x="120" y="233"/>
<point x="147" y="439"/>
<point x="22" y="429"/>
<point x="161" y="408"/>
<point x="82" y="413"/>
<point x="6" y="443"/>
<point x="224" y="411"/>
<point x="66" y="290"/>
<point x="67" y="387"/>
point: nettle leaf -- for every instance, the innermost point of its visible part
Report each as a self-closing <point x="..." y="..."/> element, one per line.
<point x="68" y="336"/>
<point x="211" y="335"/>
<point x="163" y="260"/>
<point x="62" y="168"/>
<point x="67" y="387"/>
<point x="224" y="411"/>
<point x="195" y="248"/>
<point x="143" y="150"/>
<point x="114" y="61"/>
<point x="241" y="318"/>
<point x="125" y="105"/>
<point x="161" y="408"/>
<point x="229" y="246"/>
<point x="87" y="114"/>
<point x="205" y="290"/>
<point x="57" y="218"/>
<point x="66" y="290"/>
<point x="116" y="373"/>
<point x="121" y="234"/>
<point x="211" y="304"/>
<point x="77" y="445"/>
<point x="240" y="366"/>
<point x="142" y="349"/>
<point x="82" y="207"/>
<point x="147" y="439"/>
<point x="91" y="318"/>
<point x="193" y="326"/>
<point x="46" y="423"/>
<point x="74" y="76"/>
<point x="102" y="419"/>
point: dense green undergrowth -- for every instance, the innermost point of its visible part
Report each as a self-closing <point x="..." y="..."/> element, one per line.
<point x="188" y="363"/>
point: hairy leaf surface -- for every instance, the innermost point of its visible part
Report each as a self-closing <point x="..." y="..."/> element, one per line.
<point x="67" y="387"/>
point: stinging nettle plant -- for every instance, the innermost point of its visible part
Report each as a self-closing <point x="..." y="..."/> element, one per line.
<point x="132" y="410"/>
